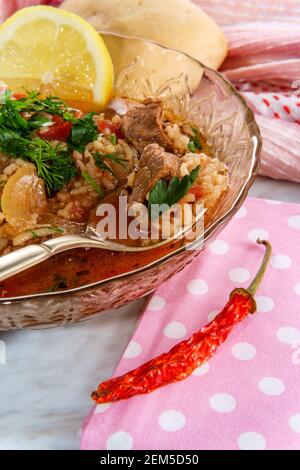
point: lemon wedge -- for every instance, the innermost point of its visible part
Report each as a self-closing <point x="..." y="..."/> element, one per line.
<point x="57" y="53"/>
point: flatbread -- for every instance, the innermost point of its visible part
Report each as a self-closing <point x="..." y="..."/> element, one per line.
<point x="177" y="24"/>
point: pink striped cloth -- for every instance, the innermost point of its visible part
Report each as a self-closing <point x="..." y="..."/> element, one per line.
<point x="247" y="395"/>
<point x="263" y="63"/>
<point x="8" y="7"/>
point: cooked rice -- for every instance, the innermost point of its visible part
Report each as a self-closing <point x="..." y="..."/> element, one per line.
<point x="213" y="176"/>
<point x="178" y="138"/>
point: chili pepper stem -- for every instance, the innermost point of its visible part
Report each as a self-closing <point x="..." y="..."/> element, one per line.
<point x="261" y="272"/>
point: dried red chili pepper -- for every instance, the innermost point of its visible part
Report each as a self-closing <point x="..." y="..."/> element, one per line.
<point x="183" y="358"/>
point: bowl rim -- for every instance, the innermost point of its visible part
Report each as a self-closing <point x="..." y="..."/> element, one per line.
<point x="235" y="206"/>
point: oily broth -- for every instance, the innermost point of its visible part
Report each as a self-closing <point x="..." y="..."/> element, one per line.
<point x="77" y="268"/>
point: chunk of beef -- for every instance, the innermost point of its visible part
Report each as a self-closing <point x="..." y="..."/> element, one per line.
<point x="155" y="164"/>
<point x="143" y="125"/>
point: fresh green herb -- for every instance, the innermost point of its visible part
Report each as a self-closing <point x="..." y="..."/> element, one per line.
<point x="191" y="146"/>
<point x="114" y="157"/>
<point x="56" y="106"/>
<point x="51" y="104"/>
<point x="33" y="104"/>
<point x="113" y="138"/>
<point x="103" y="166"/>
<point x="83" y="131"/>
<point x="11" y="117"/>
<point x="11" y="112"/>
<point x="54" y="164"/>
<point x="4" y="96"/>
<point x="168" y="195"/>
<point x="57" y="229"/>
<point x="39" y="120"/>
<point x="92" y="183"/>
<point x="54" y="229"/>
<point x="195" y="143"/>
<point x="11" y="143"/>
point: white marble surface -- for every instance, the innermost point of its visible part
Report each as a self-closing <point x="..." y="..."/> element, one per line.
<point x="49" y="374"/>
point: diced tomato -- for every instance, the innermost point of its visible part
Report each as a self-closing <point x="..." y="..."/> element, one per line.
<point x="78" y="114"/>
<point x="60" y="130"/>
<point x="197" y="191"/>
<point x="102" y="125"/>
<point x="18" y="96"/>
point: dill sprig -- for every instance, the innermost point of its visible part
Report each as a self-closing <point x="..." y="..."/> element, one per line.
<point x="17" y="138"/>
<point x="53" y="162"/>
<point x="92" y="183"/>
<point x="32" y="103"/>
<point x="114" y="157"/>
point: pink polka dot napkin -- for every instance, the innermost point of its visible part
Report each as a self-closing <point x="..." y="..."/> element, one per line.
<point x="248" y="395"/>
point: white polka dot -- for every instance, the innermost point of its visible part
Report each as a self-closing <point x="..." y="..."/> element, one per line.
<point x="133" y="349"/>
<point x="251" y="441"/>
<point x="197" y="287"/>
<point x="294" y="222"/>
<point x="281" y="261"/>
<point x="219" y="247"/>
<point x="242" y="212"/>
<point x="175" y="330"/>
<point x="271" y="386"/>
<point x="264" y="304"/>
<point x="212" y="315"/>
<point x="222" y="402"/>
<point x="295" y="422"/>
<point x="201" y="370"/>
<point x="288" y="335"/>
<point x="102" y="407"/>
<point x="171" y="420"/>
<point x="273" y="202"/>
<point x="156" y="303"/>
<point x="297" y="288"/>
<point x="239" y="274"/>
<point x="243" y="351"/>
<point x="120" y="440"/>
<point x="256" y="233"/>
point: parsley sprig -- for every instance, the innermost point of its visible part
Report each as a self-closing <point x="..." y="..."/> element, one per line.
<point x="168" y="194"/>
<point x="83" y="131"/>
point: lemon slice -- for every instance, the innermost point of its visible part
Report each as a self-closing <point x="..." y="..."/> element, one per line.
<point x="56" y="52"/>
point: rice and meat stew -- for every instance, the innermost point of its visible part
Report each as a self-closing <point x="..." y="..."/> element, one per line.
<point x="57" y="164"/>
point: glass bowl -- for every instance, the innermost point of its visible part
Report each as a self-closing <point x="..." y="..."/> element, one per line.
<point x="143" y="70"/>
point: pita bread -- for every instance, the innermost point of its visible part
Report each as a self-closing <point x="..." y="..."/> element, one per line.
<point x="178" y="24"/>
